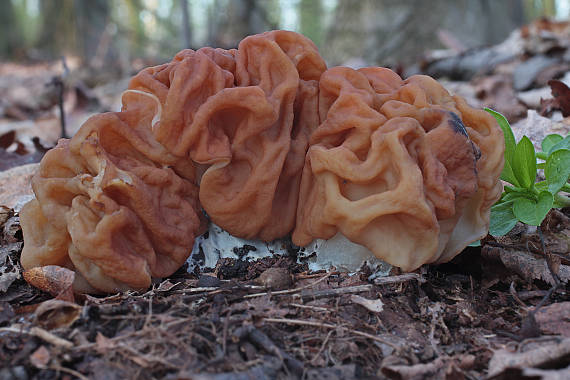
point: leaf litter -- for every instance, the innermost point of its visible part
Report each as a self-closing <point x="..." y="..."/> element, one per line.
<point x="498" y="311"/>
<point x="456" y="320"/>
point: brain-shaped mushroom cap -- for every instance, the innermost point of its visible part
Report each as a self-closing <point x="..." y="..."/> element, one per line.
<point x="267" y="142"/>
<point x="400" y="167"/>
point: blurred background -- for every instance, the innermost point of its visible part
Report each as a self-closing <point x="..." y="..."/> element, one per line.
<point x="62" y="61"/>
<point x="116" y="33"/>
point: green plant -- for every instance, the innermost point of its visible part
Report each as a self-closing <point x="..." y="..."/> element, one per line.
<point x="525" y="199"/>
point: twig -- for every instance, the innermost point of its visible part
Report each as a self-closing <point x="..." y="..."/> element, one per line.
<point x="513" y="292"/>
<point x="326" y="293"/>
<point x="58" y="83"/>
<point x="290" y="291"/>
<point x="399" y="278"/>
<point x="310" y="307"/>
<point x="69" y="371"/>
<point x="40" y="333"/>
<point x="552" y="273"/>
<point x="195" y="290"/>
<point x="329" y="326"/>
<point x="260" y="339"/>
<point x="322" y="347"/>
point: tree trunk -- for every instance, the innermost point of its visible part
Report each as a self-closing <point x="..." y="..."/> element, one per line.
<point x="186" y="34"/>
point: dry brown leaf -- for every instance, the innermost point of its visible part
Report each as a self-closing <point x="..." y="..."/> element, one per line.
<point x="6" y="312"/>
<point x="444" y="367"/>
<point x="103" y="344"/>
<point x="561" y="94"/>
<point x="5" y="214"/>
<point x="275" y="278"/>
<point x="526" y="265"/>
<point x="52" y="314"/>
<point x="55" y="280"/>
<point x="553" y="319"/>
<point x="547" y="354"/>
<point x="375" y="306"/>
<point x="166" y="286"/>
<point x="40" y="358"/>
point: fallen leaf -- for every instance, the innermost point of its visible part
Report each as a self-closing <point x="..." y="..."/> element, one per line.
<point x="561" y="94"/>
<point x="496" y="92"/>
<point x="55" y="280"/>
<point x="553" y="319"/>
<point x="9" y="271"/>
<point x="536" y="128"/>
<point x="275" y="278"/>
<point x="7" y="139"/>
<point x="40" y="358"/>
<point x="548" y="354"/>
<point x="15" y="185"/>
<point x="103" y="344"/>
<point x="526" y="265"/>
<point x="166" y="286"/>
<point x="5" y="214"/>
<point x="6" y="312"/>
<point x="444" y="367"/>
<point x="52" y="314"/>
<point x="375" y="306"/>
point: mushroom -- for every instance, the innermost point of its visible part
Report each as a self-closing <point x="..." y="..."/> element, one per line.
<point x="268" y="142"/>
<point x="400" y="167"/>
<point x="243" y="117"/>
<point x="110" y="204"/>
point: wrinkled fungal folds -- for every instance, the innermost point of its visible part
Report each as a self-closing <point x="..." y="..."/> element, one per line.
<point x="267" y="142"/>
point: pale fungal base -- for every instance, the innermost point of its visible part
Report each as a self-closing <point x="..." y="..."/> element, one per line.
<point x="337" y="252"/>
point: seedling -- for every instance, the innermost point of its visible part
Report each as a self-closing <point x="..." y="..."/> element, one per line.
<point x="525" y="199"/>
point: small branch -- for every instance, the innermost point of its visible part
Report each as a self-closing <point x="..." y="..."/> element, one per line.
<point x="291" y="291"/>
<point x="307" y="297"/>
<point x="329" y="326"/>
<point x="261" y="340"/>
<point x="310" y="307"/>
<point x="40" y="333"/>
<point x="69" y="371"/>
<point x="399" y="278"/>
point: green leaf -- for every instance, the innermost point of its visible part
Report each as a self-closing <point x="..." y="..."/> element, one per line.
<point x="563" y="144"/>
<point x="541" y="186"/>
<point x="510" y="145"/>
<point x="557" y="170"/>
<point x="507" y="133"/>
<point x="502" y="219"/>
<point x="508" y="174"/>
<point x="515" y="195"/>
<point x="532" y="212"/>
<point x="475" y="244"/>
<point x="524" y="164"/>
<point x="549" y="141"/>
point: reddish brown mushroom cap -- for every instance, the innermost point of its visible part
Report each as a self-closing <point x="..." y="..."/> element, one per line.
<point x="110" y="204"/>
<point x="268" y="142"/>
<point x="394" y="168"/>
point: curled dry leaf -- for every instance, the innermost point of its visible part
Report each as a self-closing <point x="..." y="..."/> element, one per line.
<point x="548" y="354"/>
<point x="103" y="344"/>
<point x="561" y="94"/>
<point x="5" y="214"/>
<point x="275" y="278"/>
<point x="52" y="314"/>
<point x="375" y="306"/>
<point x="553" y="319"/>
<point x="40" y="358"/>
<point x="53" y="279"/>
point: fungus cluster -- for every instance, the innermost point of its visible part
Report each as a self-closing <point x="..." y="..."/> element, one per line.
<point x="267" y="142"/>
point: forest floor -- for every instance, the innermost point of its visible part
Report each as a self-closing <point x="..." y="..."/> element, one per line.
<point x="497" y="311"/>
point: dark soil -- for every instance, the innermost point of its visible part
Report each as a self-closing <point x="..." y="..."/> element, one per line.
<point x="225" y="325"/>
